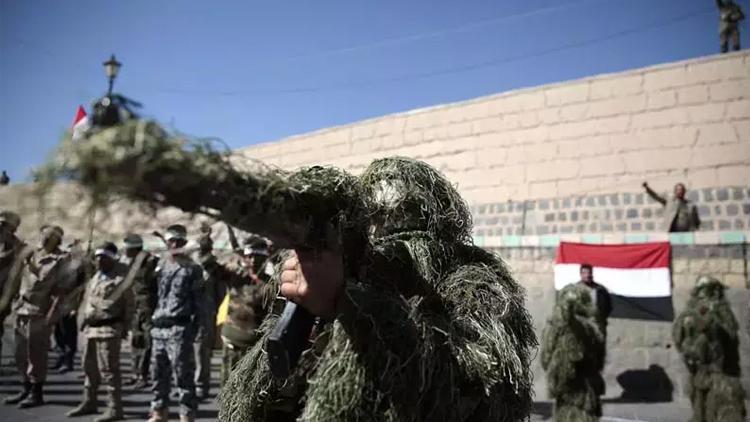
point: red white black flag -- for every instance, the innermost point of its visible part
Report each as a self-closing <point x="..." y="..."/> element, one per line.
<point x="637" y="275"/>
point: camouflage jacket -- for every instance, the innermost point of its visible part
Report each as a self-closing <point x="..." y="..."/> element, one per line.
<point x="103" y="315"/>
<point x="249" y="295"/>
<point x="144" y="290"/>
<point x="180" y="299"/>
<point x="8" y="253"/>
<point x="40" y="283"/>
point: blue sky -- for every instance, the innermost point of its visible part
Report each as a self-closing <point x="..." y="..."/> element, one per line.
<point x="255" y="71"/>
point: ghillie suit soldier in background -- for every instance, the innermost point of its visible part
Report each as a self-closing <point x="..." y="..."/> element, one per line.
<point x="705" y="333"/>
<point x="571" y="356"/>
<point x="250" y="296"/>
<point x="423" y="325"/>
<point x="40" y="285"/>
<point x="730" y="16"/>
<point x="10" y="249"/>
<point x="204" y="339"/>
<point x="106" y="310"/>
<point x="144" y="293"/>
<point x="177" y="318"/>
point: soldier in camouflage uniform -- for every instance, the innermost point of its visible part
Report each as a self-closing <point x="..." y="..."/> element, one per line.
<point x="730" y="16"/>
<point x="40" y="284"/>
<point x="106" y="314"/>
<point x="249" y="293"/>
<point x="571" y="356"/>
<point x="10" y="248"/>
<point x="178" y="315"/>
<point x="705" y="333"/>
<point x="144" y="291"/>
<point x="204" y="339"/>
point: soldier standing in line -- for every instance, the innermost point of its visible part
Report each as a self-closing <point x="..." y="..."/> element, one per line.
<point x="680" y="214"/>
<point x="179" y="313"/>
<point x="204" y="339"/>
<point x="106" y="314"/>
<point x="730" y="16"/>
<point x="144" y="292"/>
<point x="249" y="293"/>
<point x="705" y="334"/>
<point x="10" y="248"/>
<point x="33" y="310"/>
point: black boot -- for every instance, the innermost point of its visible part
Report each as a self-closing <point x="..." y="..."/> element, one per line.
<point x="18" y="398"/>
<point x="34" y="399"/>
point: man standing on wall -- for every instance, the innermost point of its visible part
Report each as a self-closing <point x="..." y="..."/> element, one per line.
<point x="730" y="16"/>
<point x="680" y="214"/>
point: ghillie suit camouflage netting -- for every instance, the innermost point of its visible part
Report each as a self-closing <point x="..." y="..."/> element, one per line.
<point x="571" y="356"/>
<point x="430" y="327"/>
<point x="705" y="333"/>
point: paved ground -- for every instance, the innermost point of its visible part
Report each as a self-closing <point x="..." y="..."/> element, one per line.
<point x="63" y="392"/>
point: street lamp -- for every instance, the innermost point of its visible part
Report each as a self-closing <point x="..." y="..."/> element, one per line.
<point x="111" y="67"/>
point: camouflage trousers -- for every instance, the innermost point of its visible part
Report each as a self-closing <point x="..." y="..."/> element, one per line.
<point x="172" y="350"/>
<point x="32" y="338"/>
<point x="733" y="33"/>
<point x="101" y="364"/>
<point x="230" y="356"/>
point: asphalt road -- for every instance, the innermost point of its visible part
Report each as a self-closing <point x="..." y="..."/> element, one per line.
<point x="63" y="392"/>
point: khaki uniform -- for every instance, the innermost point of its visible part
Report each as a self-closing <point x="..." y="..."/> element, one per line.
<point x="32" y="333"/>
<point x="8" y="253"/>
<point x="105" y="322"/>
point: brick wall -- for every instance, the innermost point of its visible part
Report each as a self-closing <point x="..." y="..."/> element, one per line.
<point x="641" y="353"/>
<point x="686" y="121"/>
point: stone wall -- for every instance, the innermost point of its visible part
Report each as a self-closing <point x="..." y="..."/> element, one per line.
<point x="641" y="353"/>
<point x="687" y="121"/>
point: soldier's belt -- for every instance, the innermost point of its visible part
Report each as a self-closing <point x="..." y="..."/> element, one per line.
<point x="171" y="322"/>
<point x="104" y="322"/>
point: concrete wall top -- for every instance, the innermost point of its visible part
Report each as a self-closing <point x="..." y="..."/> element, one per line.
<point x="683" y="121"/>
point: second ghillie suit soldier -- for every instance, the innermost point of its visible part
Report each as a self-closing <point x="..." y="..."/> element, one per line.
<point x="106" y="311"/>
<point x="177" y="318"/>
<point x="40" y="284"/>
<point x="144" y="292"/>
<point x="730" y="16"/>
<point x="705" y="334"/>
<point x="572" y="345"/>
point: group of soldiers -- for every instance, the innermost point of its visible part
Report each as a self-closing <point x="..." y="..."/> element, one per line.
<point x="705" y="334"/>
<point x="166" y="306"/>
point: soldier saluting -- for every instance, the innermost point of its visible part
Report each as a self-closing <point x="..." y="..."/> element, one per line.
<point x="106" y="314"/>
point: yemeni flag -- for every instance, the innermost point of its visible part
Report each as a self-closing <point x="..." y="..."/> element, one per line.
<point x="637" y="276"/>
<point x="80" y="123"/>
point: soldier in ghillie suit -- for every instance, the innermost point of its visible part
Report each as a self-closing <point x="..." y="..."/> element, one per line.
<point x="144" y="291"/>
<point x="10" y="248"/>
<point x="571" y="356"/>
<point x="705" y="333"/>
<point x="106" y="310"/>
<point x="250" y="296"/>
<point x="414" y="321"/>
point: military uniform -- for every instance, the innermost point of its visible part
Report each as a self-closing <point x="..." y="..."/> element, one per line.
<point x="32" y="331"/>
<point x="105" y="322"/>
<point x="10" y="248"/>
<point x="680" y="215"/>
<point x="204" y="339"/>
<point x="178" y="315"/>
<point x="249" y="293"/>
<point x="144" y="293"/>
<point x="730" y="15"/>
<point x="705" y="334"/>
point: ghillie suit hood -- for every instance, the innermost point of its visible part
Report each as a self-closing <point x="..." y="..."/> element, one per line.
<point x="571" y="358"/>
<point x="705" y="334"/>
<point x="430" y="327"/>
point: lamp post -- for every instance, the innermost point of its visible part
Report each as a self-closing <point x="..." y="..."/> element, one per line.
<point x="111" y="67"/>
